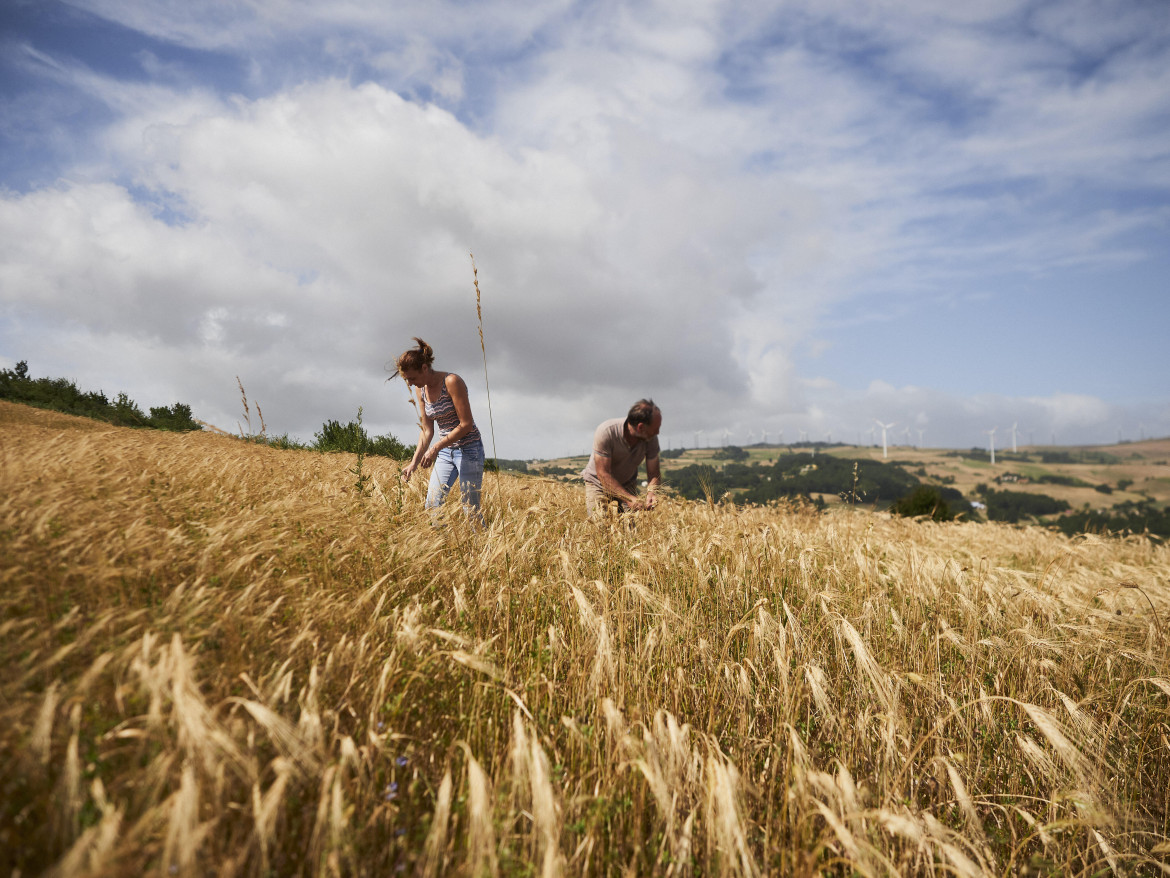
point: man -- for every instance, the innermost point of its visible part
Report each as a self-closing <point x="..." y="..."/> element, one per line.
<point x="619" y="447"/>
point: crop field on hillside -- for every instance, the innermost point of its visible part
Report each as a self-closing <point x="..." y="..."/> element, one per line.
<point x="223" y="658"/>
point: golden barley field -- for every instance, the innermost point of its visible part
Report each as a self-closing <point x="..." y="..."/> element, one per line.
<point x="221" y="658"/>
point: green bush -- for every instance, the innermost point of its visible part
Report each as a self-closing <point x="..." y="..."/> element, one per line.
<point x="1058" y="479"/>
<point x="730" y="452"/>
<point x="176" y="417"/>
<point x="1011" y="506"/>
<point x="502" y="463"/>
<point x="924" y="500"/>
<point x="352" y="438"/>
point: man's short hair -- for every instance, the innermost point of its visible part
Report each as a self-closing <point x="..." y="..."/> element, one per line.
<point x="642" y="412"/>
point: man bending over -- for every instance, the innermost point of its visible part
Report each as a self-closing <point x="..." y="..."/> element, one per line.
<point x="619" y="447"/>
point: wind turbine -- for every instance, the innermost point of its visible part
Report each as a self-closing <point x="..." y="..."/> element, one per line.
<point x="991" y="437"/>
<point x="920" y="432"/>
<point x="873" y="435"/>
<point x="885" y="451"/>
<point x="803" y="435"/>
<point x="726" y="436"/>
<point x="1014" y="436"/>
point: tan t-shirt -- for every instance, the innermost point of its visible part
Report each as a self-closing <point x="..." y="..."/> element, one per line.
<point x="624" y="460"/>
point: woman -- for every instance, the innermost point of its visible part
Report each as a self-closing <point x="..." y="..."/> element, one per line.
<point x="441" y="397"/>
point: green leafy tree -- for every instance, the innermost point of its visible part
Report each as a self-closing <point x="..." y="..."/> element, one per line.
<point x="352" y="438"/>
<point x="924" y="500"/>
<point x="1012" y="506"/>
<point x="176" y="417"/>
<point x="730" y="452"/>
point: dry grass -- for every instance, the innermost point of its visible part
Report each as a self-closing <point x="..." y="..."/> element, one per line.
<point x="221" y="659"/>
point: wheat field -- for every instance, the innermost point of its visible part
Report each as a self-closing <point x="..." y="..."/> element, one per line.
<point x="224" y="659"/>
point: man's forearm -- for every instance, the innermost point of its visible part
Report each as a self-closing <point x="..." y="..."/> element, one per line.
<point x="612" y="487"/>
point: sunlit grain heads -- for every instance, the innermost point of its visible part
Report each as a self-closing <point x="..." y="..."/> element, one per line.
<point x="724" y="817"/>
<point x="817" y="685"/>
<point x="184" y="830"/>
<point x="867" y="664"/>
<point x="94" y="848"/>
<point x="266" y="806"/>
<point x="435" y="849"/>
<point x="481" y="834"/>
<point x="596" y="627"/>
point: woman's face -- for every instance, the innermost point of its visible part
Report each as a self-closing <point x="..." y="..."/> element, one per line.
<point x="414" y="377"/>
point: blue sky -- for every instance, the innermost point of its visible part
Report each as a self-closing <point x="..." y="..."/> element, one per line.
<point x="798" y="216"/>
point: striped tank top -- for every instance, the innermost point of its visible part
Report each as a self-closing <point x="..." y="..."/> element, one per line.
<point x="443" y="412"/>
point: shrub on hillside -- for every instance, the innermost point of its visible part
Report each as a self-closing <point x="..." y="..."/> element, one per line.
<point x="1011" y="506"/>
<point x="352" y="438"/>
<point x="730" y="452"/>
<point x="924" y="500"/>
<point x="1058" y="479"/>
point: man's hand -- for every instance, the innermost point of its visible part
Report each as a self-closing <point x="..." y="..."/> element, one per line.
<point x="641" y="504"/>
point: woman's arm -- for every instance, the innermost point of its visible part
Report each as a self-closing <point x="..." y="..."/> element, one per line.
<point x="457" y="390"/>
<point x="426" y="433"/>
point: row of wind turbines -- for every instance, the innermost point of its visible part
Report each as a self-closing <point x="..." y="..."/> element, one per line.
<point x="990" y="436"/>
<point x="885" y="428"/>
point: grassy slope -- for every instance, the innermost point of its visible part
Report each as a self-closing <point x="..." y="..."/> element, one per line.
<point x="221" y="658"/>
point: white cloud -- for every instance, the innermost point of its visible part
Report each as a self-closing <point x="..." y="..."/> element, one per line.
<point x="332" y="223"/>
<point x="688" y="201"/>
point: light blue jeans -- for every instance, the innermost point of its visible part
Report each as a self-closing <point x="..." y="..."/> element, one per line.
<point x="464" y="464"/>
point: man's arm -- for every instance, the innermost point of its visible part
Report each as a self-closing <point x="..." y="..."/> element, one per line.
<point x="609" y="484"/>
<point x="654" y="476"/>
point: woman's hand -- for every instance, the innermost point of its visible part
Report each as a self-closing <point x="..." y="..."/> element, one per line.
<point x="407" y="470"/>
<point x="429" y="457"/>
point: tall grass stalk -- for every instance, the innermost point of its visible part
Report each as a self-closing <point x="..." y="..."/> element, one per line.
<point x="486" y="383"/>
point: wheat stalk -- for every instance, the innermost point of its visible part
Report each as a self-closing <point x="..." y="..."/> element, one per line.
<point x="486" y="383"/>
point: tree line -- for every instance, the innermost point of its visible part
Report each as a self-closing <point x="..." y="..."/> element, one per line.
<point x="63" y="395"/>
